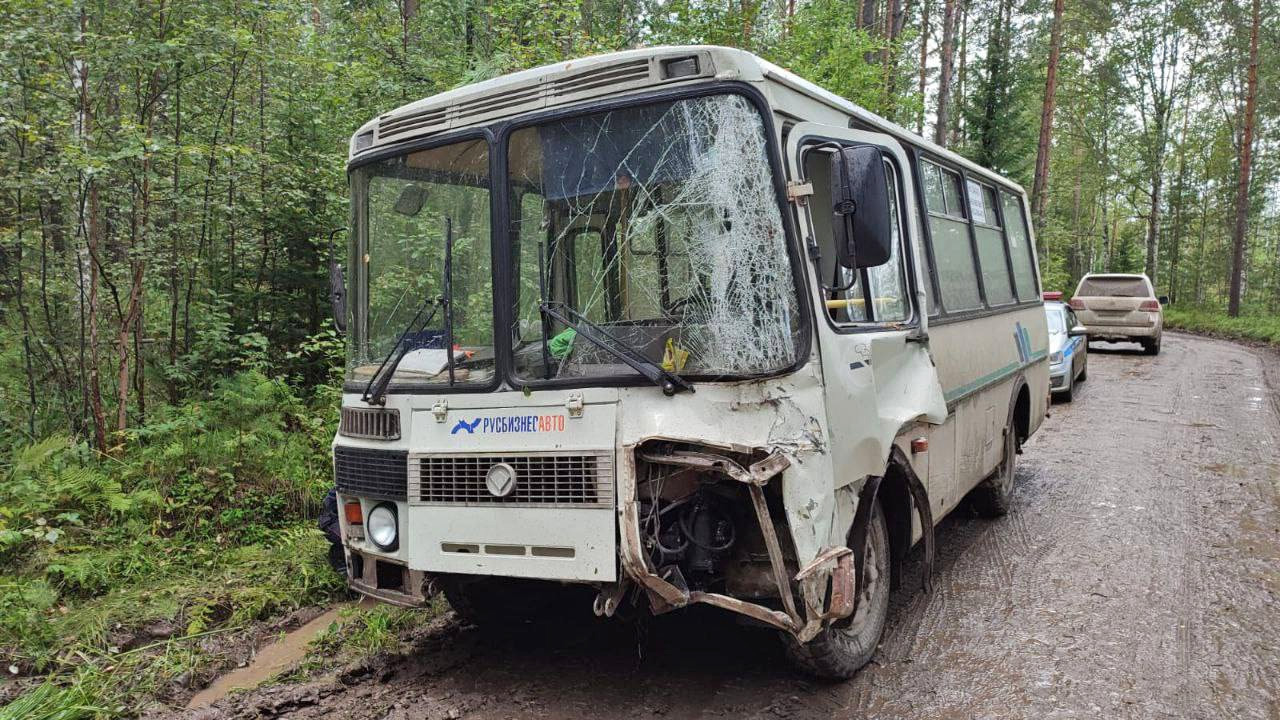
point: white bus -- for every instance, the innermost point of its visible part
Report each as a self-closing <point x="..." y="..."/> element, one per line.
<point x="679" y="326"/>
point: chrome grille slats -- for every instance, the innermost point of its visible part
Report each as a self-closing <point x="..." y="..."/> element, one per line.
<point x="558" y="479"/>
<point x="381" y="474"/>
<point x="370" y="423"/>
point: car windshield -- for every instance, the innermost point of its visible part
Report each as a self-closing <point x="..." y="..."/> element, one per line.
<point x="1113" y="287"/>
<point x="660" y="224"/>
<point x="1057" y="319"/>
<point x="405" y="209"/>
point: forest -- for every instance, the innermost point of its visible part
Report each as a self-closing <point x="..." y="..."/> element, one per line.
<point x="174" y="182"/>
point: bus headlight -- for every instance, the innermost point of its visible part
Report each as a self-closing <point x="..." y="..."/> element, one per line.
<point x="381" y="527"/>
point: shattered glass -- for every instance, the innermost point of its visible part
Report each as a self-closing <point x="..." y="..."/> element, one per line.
<point x="661" y="223"/>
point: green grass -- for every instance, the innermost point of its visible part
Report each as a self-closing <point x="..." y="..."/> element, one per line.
<point x="1257" y="326"/>
<point x="120" y="573"/>
<point x="361" y="632"/>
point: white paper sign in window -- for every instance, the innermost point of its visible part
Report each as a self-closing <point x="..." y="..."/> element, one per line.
<point x="976" y="209"/>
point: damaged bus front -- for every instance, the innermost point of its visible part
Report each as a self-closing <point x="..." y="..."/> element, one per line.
<point x="582" y="352"/>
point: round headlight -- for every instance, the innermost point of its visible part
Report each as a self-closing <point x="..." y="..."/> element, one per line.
<point x="381" y="527"/>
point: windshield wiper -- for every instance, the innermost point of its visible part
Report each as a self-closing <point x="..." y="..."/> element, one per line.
<point x="376" y="391"/>
<point x="601" y="338"/>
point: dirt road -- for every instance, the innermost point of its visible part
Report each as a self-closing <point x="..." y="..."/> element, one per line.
<point x="1137" y="576"/>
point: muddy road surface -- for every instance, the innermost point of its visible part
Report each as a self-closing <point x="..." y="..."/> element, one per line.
<point x="1137" y="576"/>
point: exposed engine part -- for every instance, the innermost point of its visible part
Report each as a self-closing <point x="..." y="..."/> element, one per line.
<point x="695" y="534"/>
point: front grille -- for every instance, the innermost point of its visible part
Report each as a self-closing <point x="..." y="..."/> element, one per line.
<point x="545" y="479"/>
<point x="381" y="474"/>
<point x="371" y="423"/>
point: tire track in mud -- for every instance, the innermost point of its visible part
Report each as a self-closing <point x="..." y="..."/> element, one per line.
<point x="1137" y="577"/>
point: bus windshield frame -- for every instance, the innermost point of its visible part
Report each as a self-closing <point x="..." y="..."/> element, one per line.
<point x="671" y="350"/>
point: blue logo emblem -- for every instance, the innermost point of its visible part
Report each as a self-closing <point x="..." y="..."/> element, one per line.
<point x="470" y="427"/>
<point x="1022" y="341"/>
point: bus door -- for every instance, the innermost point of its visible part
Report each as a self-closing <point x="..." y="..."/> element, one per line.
<point x="871" y="323"/>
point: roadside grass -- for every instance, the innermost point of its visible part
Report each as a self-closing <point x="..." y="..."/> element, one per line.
<point x="361" y="632"/>
<point x="122" y="573"/>
<point x="1257" y="326"/>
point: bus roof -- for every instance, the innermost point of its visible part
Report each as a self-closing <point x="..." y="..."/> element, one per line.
<point x="572" y="82"/>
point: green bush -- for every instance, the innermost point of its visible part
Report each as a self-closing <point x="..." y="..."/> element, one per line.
<point x="1260" y="325"/>
<point x="201" y="521"/>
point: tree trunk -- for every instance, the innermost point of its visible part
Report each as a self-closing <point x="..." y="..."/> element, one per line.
<point x="946" y="54"/>
<point x="91" y="219"/>
<point x="924" y="62"/>
<point x="1040" y="184"/>
<point x="1246" y="158"/>
<point x="1153" y="220"/>
<point x="176" y="234"/>
<point x="962" y="45"/>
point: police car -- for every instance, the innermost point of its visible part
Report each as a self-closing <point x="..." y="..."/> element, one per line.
<point x="1068" y="347"/>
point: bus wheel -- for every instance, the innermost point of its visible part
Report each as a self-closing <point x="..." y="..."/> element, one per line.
<point x="992" y="498"/>
<point x="842" y="648"/>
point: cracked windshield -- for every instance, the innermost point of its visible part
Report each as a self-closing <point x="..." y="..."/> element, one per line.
<point x="412" y="212"/>
<point x="658" y="225"/>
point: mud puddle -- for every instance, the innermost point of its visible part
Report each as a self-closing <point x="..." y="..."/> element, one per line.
<point x="273" y="659"/>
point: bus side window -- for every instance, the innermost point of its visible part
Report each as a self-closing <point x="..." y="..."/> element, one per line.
<point x="878" y="294"/>
<point x="986" y="228"/>
<point x="949" y="233"/>
<point x="818" y="170"/>
<point x="888" y="282"/>
<point x="1024" y="266"/>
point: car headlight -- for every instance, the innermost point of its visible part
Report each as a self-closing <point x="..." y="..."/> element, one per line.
<point x="1055" y="358"/>
<point x="381" y="527"/>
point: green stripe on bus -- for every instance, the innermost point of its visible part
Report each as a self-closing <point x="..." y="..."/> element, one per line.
<point x="992" y="377"/>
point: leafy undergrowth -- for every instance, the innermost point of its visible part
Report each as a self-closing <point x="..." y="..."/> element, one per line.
<point x="362" y="631"/>
<point x="1258" y="326"/>
<point x="121" y="571"/>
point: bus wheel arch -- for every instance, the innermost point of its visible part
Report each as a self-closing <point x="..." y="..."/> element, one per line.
<point x="1021" y="410"/>
<point x="895" y="500"/>
<point x="993" y="496"/>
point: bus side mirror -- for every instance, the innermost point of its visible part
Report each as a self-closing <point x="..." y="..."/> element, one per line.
<point x="337" y="286"/>
<point x="338" y="295"/>
<point x="860" y="208"/>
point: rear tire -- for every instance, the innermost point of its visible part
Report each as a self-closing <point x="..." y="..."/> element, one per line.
<point x="840" y="650"/>
<point x="1152" y="347"/>
<point x="993" y="497"/>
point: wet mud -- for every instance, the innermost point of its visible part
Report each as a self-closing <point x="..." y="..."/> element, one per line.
<point x="1136" y="577"/>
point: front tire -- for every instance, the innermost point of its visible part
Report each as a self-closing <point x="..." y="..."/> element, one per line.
<point x="1070" y="393"/>
<point x="841" y="649"/>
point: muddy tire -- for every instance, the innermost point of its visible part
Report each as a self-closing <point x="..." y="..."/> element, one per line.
<point x="994" y="496"/>
<point x="1084" y="371"/>
<point x="840" y="650"/>
<point x="1152" y="347"/>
